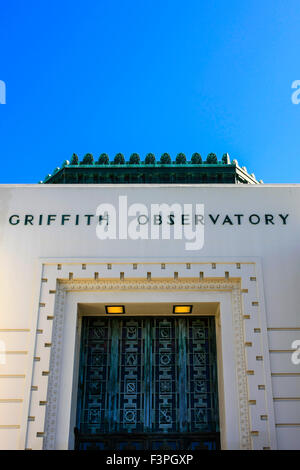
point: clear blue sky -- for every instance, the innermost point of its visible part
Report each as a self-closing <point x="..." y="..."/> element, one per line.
<point x="149" y="76"/>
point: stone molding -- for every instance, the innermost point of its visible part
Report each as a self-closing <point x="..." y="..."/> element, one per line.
<point x="57" y="277"/>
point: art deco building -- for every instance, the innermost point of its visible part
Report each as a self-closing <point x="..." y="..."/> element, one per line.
<point x="150" y="305"/>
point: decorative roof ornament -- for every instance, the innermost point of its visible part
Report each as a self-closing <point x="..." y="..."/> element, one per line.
<point x="119" y="159"/>
<point x="196" y="159"/>
<point x="134" y="159"/>
<point x="74" y="159"/>
<point x="211" y="158"/>
<point x="88" y="159"/>
<point x="150" y="159"/>
<point x="103" y="159"/>
<point x="226" y="159"/>
<point x="180" y="159"/>
<point x="165" y="159"/>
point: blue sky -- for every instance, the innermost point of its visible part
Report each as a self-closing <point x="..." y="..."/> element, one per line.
<point x="149" y="76"/>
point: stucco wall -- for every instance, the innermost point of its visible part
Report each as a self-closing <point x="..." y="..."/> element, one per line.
<point x="232" y="238"/>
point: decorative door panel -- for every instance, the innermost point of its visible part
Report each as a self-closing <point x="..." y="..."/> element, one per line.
<point x="147" y="383"/>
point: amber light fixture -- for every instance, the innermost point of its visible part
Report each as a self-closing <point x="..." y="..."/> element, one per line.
<point x="182" y="308"/>
<point x="114" y="309"/>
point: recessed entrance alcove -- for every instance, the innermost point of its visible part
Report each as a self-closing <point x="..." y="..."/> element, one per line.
<point x="148" y="377"/>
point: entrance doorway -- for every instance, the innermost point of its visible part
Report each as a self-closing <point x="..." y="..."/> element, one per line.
<point x="147" y="383"/>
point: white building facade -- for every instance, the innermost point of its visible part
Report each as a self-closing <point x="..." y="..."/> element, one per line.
<point x="231" y="252"/>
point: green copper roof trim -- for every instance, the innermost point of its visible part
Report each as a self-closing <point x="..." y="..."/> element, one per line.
<point x="146" y="165"/>
<point x="141" y="165"/>
<point x="142" y="168"/>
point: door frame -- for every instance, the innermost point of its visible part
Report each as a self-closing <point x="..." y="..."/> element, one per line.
<point x="236" y="283"/>
<point x="228" y="391"/>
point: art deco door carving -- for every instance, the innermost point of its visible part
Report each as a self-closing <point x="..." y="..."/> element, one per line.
<point x="147" y="383"/>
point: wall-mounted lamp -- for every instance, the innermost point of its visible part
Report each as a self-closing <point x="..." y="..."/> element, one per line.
<point x="182" y="308"/>
<point x="114" y="309"/>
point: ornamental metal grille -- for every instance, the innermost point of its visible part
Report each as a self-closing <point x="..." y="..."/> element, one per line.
<point x="147" y="383"/>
